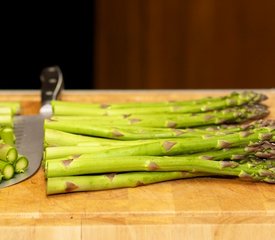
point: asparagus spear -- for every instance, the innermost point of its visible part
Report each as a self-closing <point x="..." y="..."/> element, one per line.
<point x="248" y="170"/>
<point x="230" y="115"/>
<point x="90" y="150"/>
<point x="87" y="164"/>
<point x="136" y="132"/>
<point x="55" y="138"/>
<point x="204" y="104"/>
<point x="111" y="181"/>
<point x="64" y="111"/>
<point x="235" y="96"/>
<point x="122" y="133"/>
<point x="177" y="146"/>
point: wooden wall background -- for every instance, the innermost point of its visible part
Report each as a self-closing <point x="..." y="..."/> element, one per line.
<point x="184" y="44"/>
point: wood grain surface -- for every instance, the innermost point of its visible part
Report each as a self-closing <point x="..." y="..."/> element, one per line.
<point x="184" y="44"/>
<point x="205" y="208"/>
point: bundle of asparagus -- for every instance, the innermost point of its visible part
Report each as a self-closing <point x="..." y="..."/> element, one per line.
<point x="116" y="121"/>
<point x="131" y="144"/>
<point x="11" y="162"/>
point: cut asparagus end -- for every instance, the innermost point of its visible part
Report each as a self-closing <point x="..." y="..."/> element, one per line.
<point x="12" y="155"/>
<point x="21" y="164"/>
<point x="14" y="106"/>
<point x="6" y="120"/>
<point x="7" y="135"/>
<point x="8" y="171"/>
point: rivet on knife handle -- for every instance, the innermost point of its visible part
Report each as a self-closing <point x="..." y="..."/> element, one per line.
<point x="52" y="84"/>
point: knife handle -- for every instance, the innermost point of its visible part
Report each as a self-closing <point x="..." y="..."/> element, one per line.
<point x="51" y="84"/>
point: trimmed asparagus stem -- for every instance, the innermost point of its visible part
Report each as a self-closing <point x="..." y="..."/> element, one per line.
<point x="5" y="111"/>
<point x="8" y="153"/>
<point x="6" y="169"/>
<point x="88" y="164"/>
<point x="112" y="181"/>
<point x="205" y="104"/>
<point x="14" y="106"/>
<point x="7" y="135"/>
<point x="21" y="164"/>
<point x="6" y="121"/>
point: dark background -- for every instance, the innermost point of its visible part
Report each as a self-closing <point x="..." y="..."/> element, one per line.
<point x="37" y="34"/>
<point x="139" y="44"/>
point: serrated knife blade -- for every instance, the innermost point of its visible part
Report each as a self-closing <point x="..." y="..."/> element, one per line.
<point x="29" y="130"/>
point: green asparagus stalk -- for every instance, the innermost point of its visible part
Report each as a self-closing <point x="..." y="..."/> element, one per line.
<point x="253" y="169"/>
<point x="178" y="146"/>
<point x="88" y="164"/>
<point x="262" y="149"/>
<point x="55" y="138"/>
<point x="58" y="185"/>
<point x="14" y="106"/>
<point x="6" y="121"/>
<point x="5" y="111"/>
<point x="58" y="152"/>
<point x="205" y="104"/>
<point x="231" y="99"/>
<point x="6" y="170"/>
<point x="7" y="135"/>
<point x="65" y="111"/>
<point x="8" y="153"/>
<point x="91" y="150"/>
<point x="230" y="115"/>
<point x="119" y="132"/>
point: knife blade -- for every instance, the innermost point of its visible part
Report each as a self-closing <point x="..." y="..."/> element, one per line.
<point x="29" y="130"/>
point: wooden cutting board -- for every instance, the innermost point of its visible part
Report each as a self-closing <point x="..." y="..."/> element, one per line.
<point x="205" y="208"/>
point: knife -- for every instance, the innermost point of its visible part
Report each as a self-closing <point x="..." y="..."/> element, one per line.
<point x="29" y="130"/>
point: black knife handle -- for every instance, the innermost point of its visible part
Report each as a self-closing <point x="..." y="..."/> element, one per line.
<point x="51" y="84"/>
